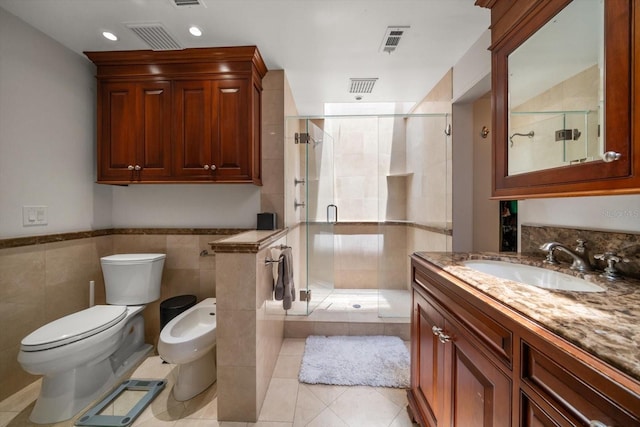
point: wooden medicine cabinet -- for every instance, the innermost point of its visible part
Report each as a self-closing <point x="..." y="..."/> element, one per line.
<point x="565" y="84"/>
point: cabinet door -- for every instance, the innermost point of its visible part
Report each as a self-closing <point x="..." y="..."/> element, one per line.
<point x="193" y="130"/>
<point x="232" y="145"/>
<point x="134" y="135"/>
<point x="427" y="362"/>
<point x="117" y="132"/>
<point x="153" y="154"/>
<point x="481" y="393"/>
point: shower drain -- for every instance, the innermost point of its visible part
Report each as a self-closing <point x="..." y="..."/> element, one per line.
<point x="356" y="306"/>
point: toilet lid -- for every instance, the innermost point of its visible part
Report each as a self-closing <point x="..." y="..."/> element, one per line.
<point x="74" y="327"/>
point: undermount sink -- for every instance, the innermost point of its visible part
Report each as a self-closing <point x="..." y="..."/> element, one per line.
<point x="536" y="276"/>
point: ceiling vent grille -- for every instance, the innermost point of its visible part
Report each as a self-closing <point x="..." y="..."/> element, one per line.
<point x="392" y="38"/>
<point x="187" y="3"/>
<point x="155" y="35"/>
<point x="362" y="85"/>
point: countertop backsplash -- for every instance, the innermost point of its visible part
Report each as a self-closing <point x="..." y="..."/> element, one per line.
<point x="624" y="244"/>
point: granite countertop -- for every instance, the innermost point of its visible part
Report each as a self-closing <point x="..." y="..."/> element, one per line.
<point x="605" y="324"/>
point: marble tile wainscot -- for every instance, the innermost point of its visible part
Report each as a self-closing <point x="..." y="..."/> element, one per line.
<point x="250" y="325"/>
<point x="46" y="277"/>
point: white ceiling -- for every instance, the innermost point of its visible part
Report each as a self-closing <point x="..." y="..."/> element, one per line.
<point x="319" y="43"/>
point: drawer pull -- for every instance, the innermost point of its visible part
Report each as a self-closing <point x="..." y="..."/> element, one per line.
<point x="439" y="332"/>
<point x="444" y="338"/>
<point x="595" y="423"/>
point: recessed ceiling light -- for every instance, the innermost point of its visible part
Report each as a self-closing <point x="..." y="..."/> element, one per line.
<point x="195" y="31"/>
<point x="109" y="36"/>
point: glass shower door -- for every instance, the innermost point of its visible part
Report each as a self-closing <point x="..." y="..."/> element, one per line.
<point x="321" y="212"/>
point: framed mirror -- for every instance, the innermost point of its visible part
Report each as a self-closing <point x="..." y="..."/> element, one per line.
<point x="562" y="98"/>
<point x="556" y="92"/>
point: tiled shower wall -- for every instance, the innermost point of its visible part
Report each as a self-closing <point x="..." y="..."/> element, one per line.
<point x="42" y="282"/>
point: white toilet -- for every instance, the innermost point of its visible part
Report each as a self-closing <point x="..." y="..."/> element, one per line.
<point x="188" y="340"/>
<point x="84" y="354"/>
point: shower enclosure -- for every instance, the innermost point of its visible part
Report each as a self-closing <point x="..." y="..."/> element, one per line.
<point x="358" y="186"/>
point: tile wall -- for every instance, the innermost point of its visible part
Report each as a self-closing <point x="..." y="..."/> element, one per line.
<point x="43" y="282"/>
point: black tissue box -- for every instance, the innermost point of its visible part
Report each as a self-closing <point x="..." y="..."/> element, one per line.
<point x="266" y="221"/>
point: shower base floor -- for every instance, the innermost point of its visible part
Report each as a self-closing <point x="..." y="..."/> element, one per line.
<point x="352" y="312"/>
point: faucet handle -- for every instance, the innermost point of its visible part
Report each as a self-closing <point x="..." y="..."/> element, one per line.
<point x="611" y="258"/>
<point x="550" y="247"/>
<point x="582" y="247"/>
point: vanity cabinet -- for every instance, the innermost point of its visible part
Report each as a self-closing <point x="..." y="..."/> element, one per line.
<point x="476" y="362"/>
<point x="189" y="116"/>
<point x="453" y="381"/>
<point x="460" y="361"/>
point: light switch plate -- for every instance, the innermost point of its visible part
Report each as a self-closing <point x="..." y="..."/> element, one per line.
<point x="34" y="215"/>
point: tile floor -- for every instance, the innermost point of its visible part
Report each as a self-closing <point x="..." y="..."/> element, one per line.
<point x="288" y="403"/>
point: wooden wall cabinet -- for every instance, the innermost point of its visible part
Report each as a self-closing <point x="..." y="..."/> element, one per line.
<point x="187" y="116"/>
<point x="475" y="362"/>
<point x="513" y="23"/>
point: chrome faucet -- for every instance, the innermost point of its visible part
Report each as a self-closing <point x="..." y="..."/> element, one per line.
<point x="579" y="255"/>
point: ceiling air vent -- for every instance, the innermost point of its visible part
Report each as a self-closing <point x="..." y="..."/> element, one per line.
<point x="362" y="85"/>
<point x="392" y="38"/>
<point x="155" y="35"/>
<point x="187" y="3"/>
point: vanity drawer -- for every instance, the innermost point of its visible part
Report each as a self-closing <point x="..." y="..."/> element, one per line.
<point x="574" y="391"/>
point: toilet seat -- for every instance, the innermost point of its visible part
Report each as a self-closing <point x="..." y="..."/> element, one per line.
<point x="74" y="327"/>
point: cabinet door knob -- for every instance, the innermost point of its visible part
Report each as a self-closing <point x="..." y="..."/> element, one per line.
<point x="213" y="167"/>
<point x="137" y="167"/>
<point x="436" y="331"/>
<point x="206" y="167"/>
<point x="611" y="156"/>
<point x="130" y="167"/>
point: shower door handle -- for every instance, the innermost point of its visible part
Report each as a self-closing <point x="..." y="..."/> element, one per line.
<point x="335" y="217"/>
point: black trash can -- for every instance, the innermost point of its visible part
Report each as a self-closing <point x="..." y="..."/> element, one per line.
<point x="171" y="307"/>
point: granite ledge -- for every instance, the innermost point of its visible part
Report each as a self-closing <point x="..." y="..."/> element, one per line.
<point x="604" y="324"/>
<point x="248" y="242"/>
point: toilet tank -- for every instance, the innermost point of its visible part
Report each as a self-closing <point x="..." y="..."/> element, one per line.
<point x="132" y="279"/>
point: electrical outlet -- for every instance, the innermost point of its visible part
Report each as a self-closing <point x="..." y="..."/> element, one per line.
<point x="34" y="215"/>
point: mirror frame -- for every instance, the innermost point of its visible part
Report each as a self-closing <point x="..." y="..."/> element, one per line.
<point x="512" y="23"/>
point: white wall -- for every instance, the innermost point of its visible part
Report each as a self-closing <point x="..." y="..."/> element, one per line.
<point x="186" y="206"/>
<point x="471" y="80"/>
<point x="614" y="213"/>
<point x="47" y="134"/>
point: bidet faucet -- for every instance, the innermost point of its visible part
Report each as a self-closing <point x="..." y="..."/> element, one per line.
<point x="579" y="255"/>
